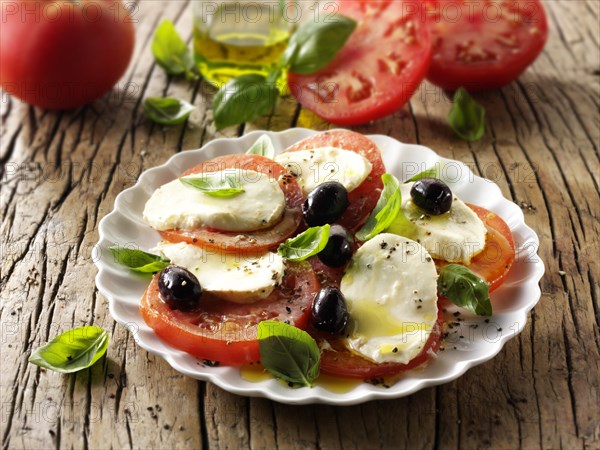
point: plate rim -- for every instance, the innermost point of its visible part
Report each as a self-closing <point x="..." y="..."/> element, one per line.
<point x="271" y="389"/>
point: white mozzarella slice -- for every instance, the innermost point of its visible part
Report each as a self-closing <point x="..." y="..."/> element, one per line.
<point x="228" y="276"/>
<point x="313" y="167"/>
<point x="175" y="205"/>
<point x="391" y="292"/>
<point x="455" y="236"/>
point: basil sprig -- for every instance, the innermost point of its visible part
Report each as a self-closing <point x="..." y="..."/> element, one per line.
<point x="465" y="289"/>
<point x="215" y="185"/>
<point x="171" y="52"/>
<point x="138" y="260"/>
<point x="311" y="47"/>
<point x="316" y="43"/>
<point x="263" y="147"/>
<point x="385" y="211"/>
<point x="288" y="352"/>
<point x="243" y="99"/>
<point x="434" y="171"/>
<point x="73" y="350"/>
<point x="167" y="110"/>
<point x="466" y="117"/>
<point x="306" y="244"/>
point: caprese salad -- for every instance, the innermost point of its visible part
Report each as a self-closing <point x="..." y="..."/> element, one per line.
<point x="314" y="260"/>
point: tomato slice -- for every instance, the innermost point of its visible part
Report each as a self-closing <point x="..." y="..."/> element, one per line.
<point x="364" y="198"/>
<point x="377" y="71"/>
<point x="484" y="44"/>
<point x="492" y="264"/>
<point x="498" y="255"/>
<point x="226" y="332"/>
<point x="337" y="359"/>
<point x="254" y="242"/>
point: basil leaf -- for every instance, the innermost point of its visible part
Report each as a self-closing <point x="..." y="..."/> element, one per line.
<point x="385" y="211"/>
<point x="214" y="185"/>
<point x="243" y="99"/>
<point x="288" y="352"/>
<point x="138" y="260"/>
<point x="171" y="52"/>
<point x="306" y="244"/>
<point x="167" y="111"/>
<point x="315" y="44"/>
<point x="466" y="116"/>
<point x="73" y="350"/>
<point x="465" y="289"/>
<point x="263" y="147"/>
<point x="433" y="172"/>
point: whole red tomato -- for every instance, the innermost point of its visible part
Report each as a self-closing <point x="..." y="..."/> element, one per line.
<point x="62" y="54"/>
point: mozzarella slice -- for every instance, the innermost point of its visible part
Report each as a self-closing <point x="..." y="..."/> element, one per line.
<point x="391" y="292"/>
<point x="228" y="276"/>
<point x="313" y="167"/>
<point x="455" y="236"/>
<point x="175" y="205"/>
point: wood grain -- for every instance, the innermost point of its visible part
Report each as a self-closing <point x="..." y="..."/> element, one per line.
<point x="61" y="172"/>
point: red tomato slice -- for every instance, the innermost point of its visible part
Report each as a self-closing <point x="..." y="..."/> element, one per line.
<point x="498" y="255"/>
<point x="340" y="361"/>
<point x="251" y="241"/>
<point x="226" y="332"/>
<point x="377" y="71"/>
<point x="364" y="198"/>
<point x="484" y="44"/>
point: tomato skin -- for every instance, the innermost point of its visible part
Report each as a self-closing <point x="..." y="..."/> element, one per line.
<point x="249" y="242"/>
<point x="483" y="45"/>
<point x="340" y="361"/>
<point x="495" y="260"/>
<point x="226" y="332"/>
<point x="378" y="70"/>
<point x="364" y="198"/>
<point x="61" y="55"/>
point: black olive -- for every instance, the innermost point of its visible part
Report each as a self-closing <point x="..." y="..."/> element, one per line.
<point x="339" y="248"/>
<point x="325" y="203"/>
<point x="433" y="196"/>
<point x="329" y="311"/>
<point x="179" y="288"/>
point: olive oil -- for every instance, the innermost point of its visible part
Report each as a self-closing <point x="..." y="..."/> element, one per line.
<point x="239" y="38"/>
<point x="256" y="373"/>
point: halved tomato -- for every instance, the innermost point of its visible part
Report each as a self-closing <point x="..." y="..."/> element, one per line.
<point x="254" y="242"/>
<point x="383" y="63"/>
<point x="226" y="332"/>
<point x="364" y="198"/>
<point x="483" y="44"/>
<point x="498" y="255"/>
<point x="337" y="359"/>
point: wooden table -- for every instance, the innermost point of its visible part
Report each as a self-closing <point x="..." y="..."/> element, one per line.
<point x="62" y="171"/>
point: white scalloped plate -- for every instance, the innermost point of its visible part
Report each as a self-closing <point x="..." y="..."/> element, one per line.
<point x="512" y="302"/>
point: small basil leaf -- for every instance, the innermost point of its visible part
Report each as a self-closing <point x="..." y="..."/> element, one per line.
<point x="306" y="244"/>
<point x="316" y="43"/>
<point x="73" y="350"/>
<point x="288" y="352"/>
<point x="402" y="226"/>
<point x="171" y="52"/>
<point x="214" y="185"/>
<point x="465" y="289"/>
<point x="466" y="117"/>
<point x="433" y="172"/>
<point x="138" y="260"/>
<point x="385" y="211"/>
<point x="263" y="147"/>
<point x="167" y="111"/>
<point x="243" y="99"/>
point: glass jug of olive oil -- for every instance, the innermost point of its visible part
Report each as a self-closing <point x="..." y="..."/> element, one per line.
<point x="233" y="38"/>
